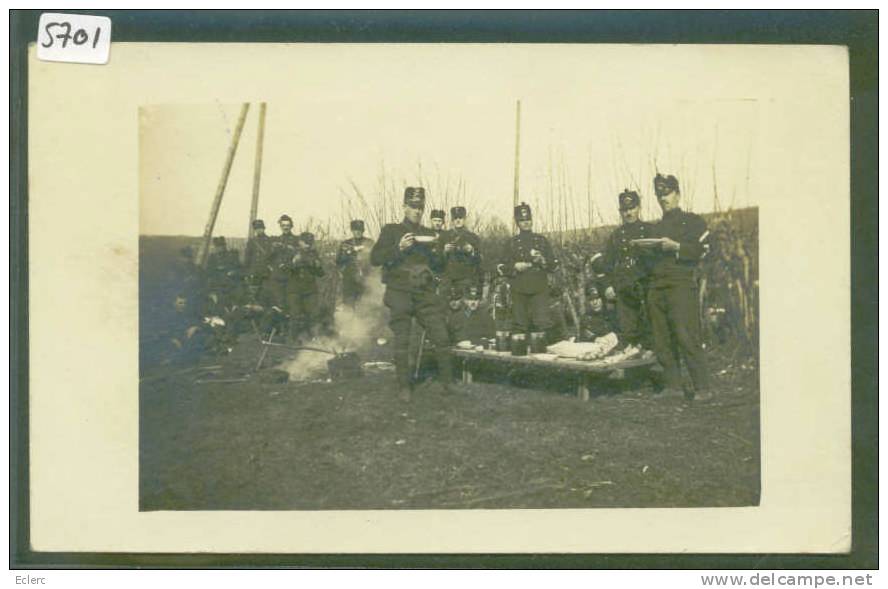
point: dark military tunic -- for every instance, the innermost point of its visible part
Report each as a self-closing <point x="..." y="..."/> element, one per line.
<point x="256" y="259"/>
<point x="672" y="298"/>
<point x="463" y="267"/>
<point x="302" y="291"/>
<point x="530" y="288"/>
<point x="625" y="271"/>
<point x="353" y="259"/>
<point x="223" y="273"/>
<point x="410" y="279"/>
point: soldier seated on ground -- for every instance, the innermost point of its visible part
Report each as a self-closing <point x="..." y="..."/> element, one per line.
<point x="595" y="321"/>
<point x="254" y="311"/>
<point x="193" y="334"/>
<point x="474" y="323"/>
<point x="185" y="337"/>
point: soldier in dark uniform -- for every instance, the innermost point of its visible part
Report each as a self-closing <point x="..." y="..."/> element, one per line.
<point x="625" y="273"/>
<point x="595" y="322"/>
<point x="672" y="296"/>
<point x="463" y="251"/>
<point x="257" y="255"/>
<point x="454" y="308"/>
<point x="353" y="261"/>
<point x="436" y="220"/>
<point x="302" y="289"/>
<point x="283" y="249"/>
<point x="411" y="257"/>
<point x="223" y="275"/>
<point x="474" y="323"/>
<point x="529" y="260"/>
<point x="254" y="309"/>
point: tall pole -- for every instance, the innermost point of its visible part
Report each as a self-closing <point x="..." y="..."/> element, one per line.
<point x="257" y="170"/>
<point x="517" y="151"/>
<point x="220" y="189"/>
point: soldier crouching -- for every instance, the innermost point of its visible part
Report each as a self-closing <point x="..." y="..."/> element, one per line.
<point x="411" y="257"/>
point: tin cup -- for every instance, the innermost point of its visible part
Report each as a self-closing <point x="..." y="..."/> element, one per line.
<point x="519" y="344"/>
<point x="502" y="341"/>
<point x="537" y="343"/>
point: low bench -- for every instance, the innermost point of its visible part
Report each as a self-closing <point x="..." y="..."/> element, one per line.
<point x="584" y="369"/>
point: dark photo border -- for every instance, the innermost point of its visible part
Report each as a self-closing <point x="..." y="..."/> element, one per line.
<point x="856" y="29"/>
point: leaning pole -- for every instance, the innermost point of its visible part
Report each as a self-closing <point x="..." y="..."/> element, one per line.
<point x="220" y="189"/>
<point x="257" y="170"/>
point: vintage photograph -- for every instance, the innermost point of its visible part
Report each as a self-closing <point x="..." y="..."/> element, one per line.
<point x="488" y="294"/>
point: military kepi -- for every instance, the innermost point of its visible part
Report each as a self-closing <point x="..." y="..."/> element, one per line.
<point x="258" y="224"/>
<point x="285" y="219"/>
<point x="665" y="184"/>
<point x="458" y="213"/>
<point x="523" y="212"/>
<point x="357" y="225"/>
<point x="437" y="214"/>
<point x="629" y="199"/>
<point x="414" y="196"/>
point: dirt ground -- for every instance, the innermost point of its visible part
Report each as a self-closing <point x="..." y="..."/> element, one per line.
<point x="526" y="444"/>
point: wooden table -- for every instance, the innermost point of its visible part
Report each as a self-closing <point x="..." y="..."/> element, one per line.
<point x="583" y="369"/>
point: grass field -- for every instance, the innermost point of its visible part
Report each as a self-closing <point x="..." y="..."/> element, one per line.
<point x="352" y="445"/>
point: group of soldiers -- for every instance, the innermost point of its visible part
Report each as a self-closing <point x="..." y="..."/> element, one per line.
<point x="646" y="275"/>
<point x="645" y="287"/>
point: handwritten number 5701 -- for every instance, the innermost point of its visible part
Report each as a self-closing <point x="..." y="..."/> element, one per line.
<point x="79" y="37"/>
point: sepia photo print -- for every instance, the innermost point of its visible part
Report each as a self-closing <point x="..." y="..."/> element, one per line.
<point x="461" y="278"/>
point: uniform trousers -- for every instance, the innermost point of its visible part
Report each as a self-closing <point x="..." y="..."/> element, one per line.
<point x="675" y="322"/>
<point x="530" y="312"/>
<point x="631" y="315"/>
<point x="429" y="311"/>
<point x="303" y="309"/>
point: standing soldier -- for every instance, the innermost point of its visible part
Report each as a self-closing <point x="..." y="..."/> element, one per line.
<point x="302" y="289"/>
<point x="283" y="248"/>
<point x="353" y="261"/>
<point x="437" y="220"/>
<point x="257" y="255"/>
<point x="529" y="260"/>
<point x="411" y="256"/>
<point x="625" y="276"/>
<point x="463" y="251"/>
<point x="672" y="297"/>
<point x="223" y="275"/>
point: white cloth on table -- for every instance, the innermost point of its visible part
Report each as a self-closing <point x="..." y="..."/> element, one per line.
<point x="585" y="350"/>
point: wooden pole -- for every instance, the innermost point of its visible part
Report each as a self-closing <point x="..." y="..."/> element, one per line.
<point x="220" y="189"/>
<point x="517" y="151"/>
<point x="257" y="171"/>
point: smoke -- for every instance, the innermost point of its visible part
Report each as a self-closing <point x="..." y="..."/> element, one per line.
<point x="362" y="329"/>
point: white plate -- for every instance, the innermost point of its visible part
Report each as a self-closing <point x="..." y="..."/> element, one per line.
<point x="425" y="238"/>
<point x="651" y="242"/>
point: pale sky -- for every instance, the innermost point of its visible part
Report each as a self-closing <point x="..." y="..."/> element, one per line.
<point x="346" y="112"/>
